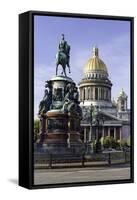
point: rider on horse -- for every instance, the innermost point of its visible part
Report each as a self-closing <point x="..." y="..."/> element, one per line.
<point x="63" y="55"/>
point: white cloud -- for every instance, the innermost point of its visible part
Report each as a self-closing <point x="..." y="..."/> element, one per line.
<point x="116" y="54"/>
<point x="41" y="74"/>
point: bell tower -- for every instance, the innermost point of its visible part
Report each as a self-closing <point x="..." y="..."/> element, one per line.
<point x="122" y="101"/>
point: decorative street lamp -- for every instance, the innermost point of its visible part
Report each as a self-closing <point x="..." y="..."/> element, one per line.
<point x="96" y="119"/>
<point x="91" y="121"/>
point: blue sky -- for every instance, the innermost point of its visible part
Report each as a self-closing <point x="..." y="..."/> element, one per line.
<point x="112" y="37"/>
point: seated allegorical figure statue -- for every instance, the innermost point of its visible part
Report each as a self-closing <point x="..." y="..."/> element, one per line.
<point x="76" y="95"/>
<point x="71" y="103"/>
<point x="45" y="103"/>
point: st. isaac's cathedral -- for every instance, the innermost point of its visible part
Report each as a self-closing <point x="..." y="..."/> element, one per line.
<point x="95" y="92"/>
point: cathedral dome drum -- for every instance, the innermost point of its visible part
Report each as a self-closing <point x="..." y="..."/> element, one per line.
<point x="95" y="87"/>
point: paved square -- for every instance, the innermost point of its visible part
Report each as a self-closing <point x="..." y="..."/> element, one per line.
<point x="69" y="175"/>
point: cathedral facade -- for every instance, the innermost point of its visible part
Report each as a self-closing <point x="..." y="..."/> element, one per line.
<point x="95" y="92"/>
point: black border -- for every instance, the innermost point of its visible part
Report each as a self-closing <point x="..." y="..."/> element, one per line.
<point x="26" y="97"/>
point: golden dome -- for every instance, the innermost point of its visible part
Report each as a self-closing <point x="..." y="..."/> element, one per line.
<point x="95" y="64"/>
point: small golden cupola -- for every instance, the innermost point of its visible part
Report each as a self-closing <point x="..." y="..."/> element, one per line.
<point x="122" y="94"/>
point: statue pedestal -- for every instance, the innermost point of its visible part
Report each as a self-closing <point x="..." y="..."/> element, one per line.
<point x="62" y="134"/>
<point x="60" y="126"/>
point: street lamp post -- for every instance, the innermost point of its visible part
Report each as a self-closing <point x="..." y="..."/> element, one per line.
<point x="98" y="121"/>
<point x="95" y="119"/>
<point x="91" y="130"/>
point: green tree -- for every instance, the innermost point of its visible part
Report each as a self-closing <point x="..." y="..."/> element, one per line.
<point x="129" y="141"/>
<point x="122" y="143"/>
<point x="114" y="143"/>
<point x="36" y="127"/>
<point x="102" y="141"/>
<point x="107" y="142"/>
<point x="110" y="142"/>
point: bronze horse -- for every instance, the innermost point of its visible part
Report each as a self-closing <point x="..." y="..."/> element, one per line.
<point x="62" y="58"/>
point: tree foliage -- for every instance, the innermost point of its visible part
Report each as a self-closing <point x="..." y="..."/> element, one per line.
<point x="109" y="142"/>
<point x="36" y="126"/>
<point x="129" y="141"/>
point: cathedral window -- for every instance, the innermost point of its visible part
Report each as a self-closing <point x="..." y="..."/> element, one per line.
<point x="107" y="94"/>
<point x="91" y="93"/>
<point x="105" y="131"/>
<point x="112" y="132"/>
<point x="118" y="133"/>
<point x="84" y="94"/>
<point x="96" y="93"/>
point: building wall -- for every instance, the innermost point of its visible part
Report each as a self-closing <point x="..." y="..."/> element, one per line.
<point x="125" y="115"/>
<point x="125" y="132"/>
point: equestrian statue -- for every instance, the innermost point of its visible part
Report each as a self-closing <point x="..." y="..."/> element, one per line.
<point x="63" y="56"/>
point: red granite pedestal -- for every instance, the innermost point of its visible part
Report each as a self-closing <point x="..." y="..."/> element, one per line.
<point x="60" y="132"/>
